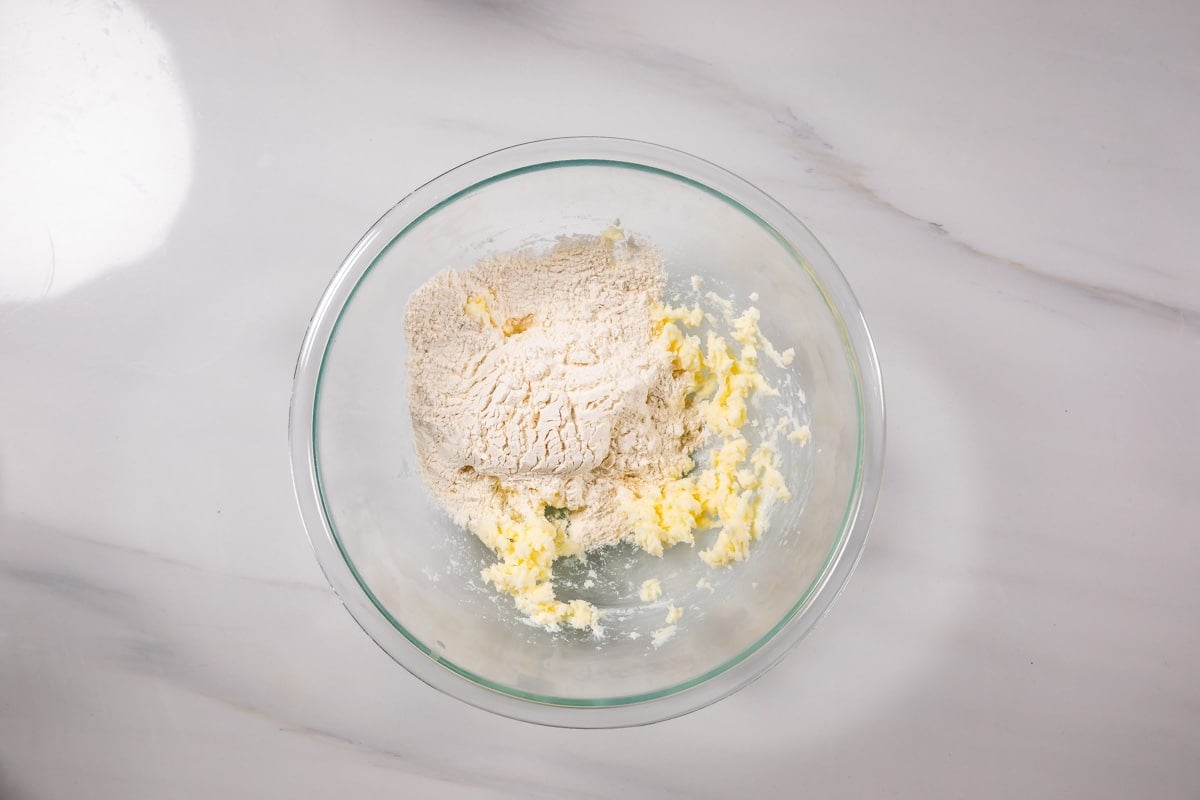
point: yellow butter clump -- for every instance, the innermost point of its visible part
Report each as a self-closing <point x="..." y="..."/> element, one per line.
<point x="527" y="543"/>
<point x="478" y="309"/>
<point x="735" y="492"/>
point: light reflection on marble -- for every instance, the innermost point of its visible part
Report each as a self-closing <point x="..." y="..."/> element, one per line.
<point x="97" y="155"/>
<point x="1012" y="193"/>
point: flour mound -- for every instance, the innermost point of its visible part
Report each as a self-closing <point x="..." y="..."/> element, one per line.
<point x="536" y="383"/>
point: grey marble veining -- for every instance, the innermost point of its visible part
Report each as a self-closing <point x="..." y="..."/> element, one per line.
<point x="1011" y="191"/>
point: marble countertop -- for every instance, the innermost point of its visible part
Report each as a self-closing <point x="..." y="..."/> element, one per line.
<point x="1012" y="190"/>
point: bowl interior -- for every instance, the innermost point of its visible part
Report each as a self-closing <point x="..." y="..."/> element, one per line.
<point x="422" y="572"/>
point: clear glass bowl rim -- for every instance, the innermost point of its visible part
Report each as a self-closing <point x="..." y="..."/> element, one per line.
<point x="704" y="689"/>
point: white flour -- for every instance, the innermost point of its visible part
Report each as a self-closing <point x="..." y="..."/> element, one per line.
<point x="534" y="383"/>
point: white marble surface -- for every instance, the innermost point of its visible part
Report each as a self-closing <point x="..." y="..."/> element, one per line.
<point x="1012" y="188"/>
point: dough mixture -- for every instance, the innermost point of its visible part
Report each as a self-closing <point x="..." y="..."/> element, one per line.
<point x="559" y="407"/>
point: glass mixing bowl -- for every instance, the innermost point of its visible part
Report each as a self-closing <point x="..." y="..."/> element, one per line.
<point x="410" y="577"/>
